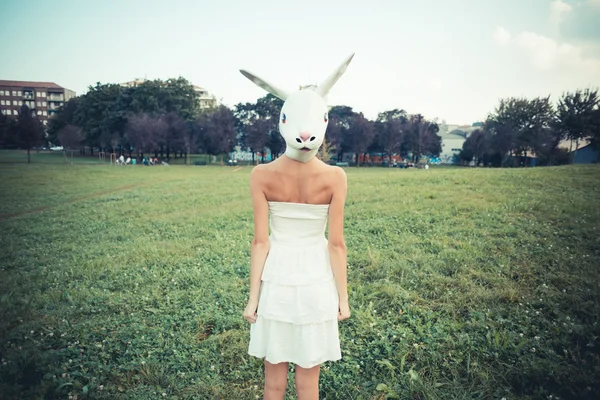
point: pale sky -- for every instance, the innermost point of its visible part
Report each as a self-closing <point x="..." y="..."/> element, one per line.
<point x="446" y="59"/>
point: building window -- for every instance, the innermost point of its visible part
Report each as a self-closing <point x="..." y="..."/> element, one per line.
<point x="14" y="92"/>
<point x="45" y="112"/>
<point x="43" y="94"/>
<point x="14" y="102"/>
<point x="19" y="93"/>
<point x="43" y="104"/>
<point x="2" y="102"/>
<point x="45" y="122"/>
<point x="1" y="92"/>
<point x="39" y="112"/>
<point x="38" y="103"/>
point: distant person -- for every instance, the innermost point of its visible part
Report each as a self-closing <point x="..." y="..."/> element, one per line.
<point x="128" y="161"/>
<point x="145" y="161"/>
<point x="121" y="160"/>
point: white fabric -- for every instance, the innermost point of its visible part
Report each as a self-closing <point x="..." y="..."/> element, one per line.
<point x="298" y="302"/>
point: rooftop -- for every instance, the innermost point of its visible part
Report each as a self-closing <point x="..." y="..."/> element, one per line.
<point x="30" y="84"/>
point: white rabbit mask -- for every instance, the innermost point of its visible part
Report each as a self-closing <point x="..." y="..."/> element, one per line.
<point x="303" y="118"/>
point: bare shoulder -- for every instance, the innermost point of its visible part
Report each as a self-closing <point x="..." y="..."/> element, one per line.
<point x="259" y="170"/>
<point x="337" y="175"/>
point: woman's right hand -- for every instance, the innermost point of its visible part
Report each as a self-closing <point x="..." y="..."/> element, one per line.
<point x="250" y="311"/>
<point x="344" y="311"/>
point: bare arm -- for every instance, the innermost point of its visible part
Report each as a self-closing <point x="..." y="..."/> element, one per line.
<point x="336" y="241"/>
<point x="260" y="242"/>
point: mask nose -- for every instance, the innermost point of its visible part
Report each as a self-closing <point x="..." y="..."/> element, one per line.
<point x="304" y="136"/>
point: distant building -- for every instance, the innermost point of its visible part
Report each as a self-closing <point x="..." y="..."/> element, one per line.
<point x="205" y="99"/>
<point x="43" y="98"/>
<point x="585" y="154"/>
<point x="453" y="138"/>
<point x="582" y="151"/>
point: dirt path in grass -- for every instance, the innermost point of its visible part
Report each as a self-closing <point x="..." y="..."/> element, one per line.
<point x="75" y="200"/>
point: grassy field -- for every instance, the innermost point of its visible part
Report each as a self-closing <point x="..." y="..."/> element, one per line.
<point x="129" y="283"/>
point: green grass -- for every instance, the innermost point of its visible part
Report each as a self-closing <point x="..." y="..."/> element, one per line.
<point x="127" y="283"/>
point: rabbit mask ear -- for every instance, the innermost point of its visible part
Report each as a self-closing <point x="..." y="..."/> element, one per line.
<point x="274" y="90"/>
<point x="328" y="83"/>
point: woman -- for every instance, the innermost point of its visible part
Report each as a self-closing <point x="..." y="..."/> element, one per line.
<point x="303" y="292"/>
<point x="298" y="283"/>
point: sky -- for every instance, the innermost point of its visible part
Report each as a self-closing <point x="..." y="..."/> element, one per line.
<point x="450" y="60"/>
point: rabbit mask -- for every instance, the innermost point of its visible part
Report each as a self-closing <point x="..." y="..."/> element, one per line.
<point x="303" y="118"/>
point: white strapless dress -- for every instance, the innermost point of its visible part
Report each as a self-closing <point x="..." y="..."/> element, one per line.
<point x="298" y="302"/>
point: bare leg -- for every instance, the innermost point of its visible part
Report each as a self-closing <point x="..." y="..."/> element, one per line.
<point x="275" y="380"/>
<point x="307" y="382"/>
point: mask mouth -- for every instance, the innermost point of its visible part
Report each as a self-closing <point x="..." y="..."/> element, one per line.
<point x="305" y="149"/>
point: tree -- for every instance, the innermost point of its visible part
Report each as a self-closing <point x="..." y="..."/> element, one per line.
<point x="63" y="117"/>
<point x="70" y="137"/>
<point x="340" y="120"/>
<point x="253" y="130"/>
<point x="391" y="127"/>
<point x="258" y="136"/>
<point x="145" y="132"/>
<point x="30" y="131"/>
<point x="576" y="115"/>
<point x="595" y="132"/>
<point x="269" y="107"/>
<point x="176" y="135"/>
<point x="360" y="135"/>
<point x="7" y="132"/>
<point x="519" y="126"/>
<point x="476" y="146"/>
<point x="218" y="131"/>
<point x="422" y="137"/>
<point x="96" y="113"/>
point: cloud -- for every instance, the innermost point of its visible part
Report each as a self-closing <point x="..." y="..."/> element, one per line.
<point x="501" y="36"/>
<point x="558" y="9"/>
<point x="578" y="22"/>
<point x="547" y="54"/>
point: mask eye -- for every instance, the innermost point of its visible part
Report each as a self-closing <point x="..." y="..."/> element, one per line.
<point x="283" y="118"/>
<point x="325" y="117"/>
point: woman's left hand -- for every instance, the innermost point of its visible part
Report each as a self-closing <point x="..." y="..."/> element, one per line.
<point x="250" y="311"/>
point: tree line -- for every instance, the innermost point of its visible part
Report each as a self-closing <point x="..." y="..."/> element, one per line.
<point x="520" y="127"/>
<point x="163" y="118"/>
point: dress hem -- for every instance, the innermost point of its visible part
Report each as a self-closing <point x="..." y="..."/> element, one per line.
<point x="321" y="361"/>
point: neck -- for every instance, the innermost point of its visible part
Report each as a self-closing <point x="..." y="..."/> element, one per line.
<point x="301" y="156"/>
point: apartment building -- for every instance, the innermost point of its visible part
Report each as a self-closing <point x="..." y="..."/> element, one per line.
<point x="43" y="98"/>
<point x="205" y="99"/>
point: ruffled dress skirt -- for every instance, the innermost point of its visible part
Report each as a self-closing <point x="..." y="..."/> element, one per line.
<point x="298" y="302"/>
